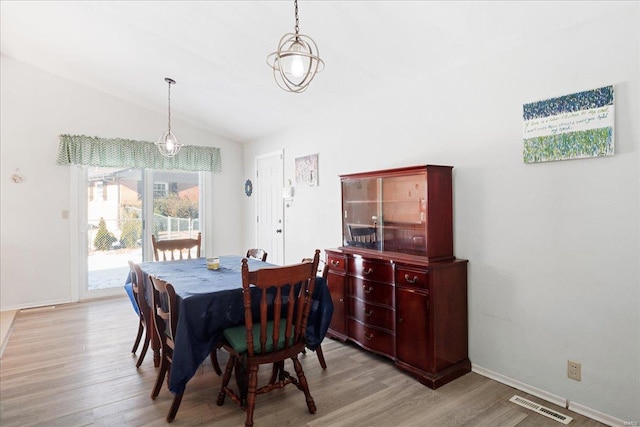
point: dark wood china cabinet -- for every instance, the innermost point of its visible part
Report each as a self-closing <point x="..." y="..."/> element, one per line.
<point x="397" y="288"/>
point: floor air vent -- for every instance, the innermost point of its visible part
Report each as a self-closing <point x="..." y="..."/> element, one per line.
<point x="561" y="418"/>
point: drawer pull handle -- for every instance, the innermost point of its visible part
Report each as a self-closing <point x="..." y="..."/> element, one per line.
<point x="410" y="280"/>
<point x="368" y="290"/>
<point x="341" y="299"/>
<point x="367" y="272"/>
<point x="369" y="336"/>
<point x="368" y="313"/>
<point x="335" y="263"/>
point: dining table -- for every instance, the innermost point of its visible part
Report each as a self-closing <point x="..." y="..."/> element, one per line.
<point x="209" y="301"/>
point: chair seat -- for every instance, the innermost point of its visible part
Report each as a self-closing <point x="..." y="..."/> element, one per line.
<point x="237" y="337"/>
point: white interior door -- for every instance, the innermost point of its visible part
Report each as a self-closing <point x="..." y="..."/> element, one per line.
<point x="269" y="206"/>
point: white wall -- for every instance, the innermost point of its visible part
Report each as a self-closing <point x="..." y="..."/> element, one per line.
<point x="35" y="108"/>
<point x="553" y="248"/>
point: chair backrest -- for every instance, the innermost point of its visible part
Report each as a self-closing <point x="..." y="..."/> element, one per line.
<point x="257" y="253"/>
<point x="363" y="236"/>
<point x="325" y="269"/>
<point x="173" y="247"/>
<point x="165" y="310"/>
<point x="139" y="291"/>
<point x="284" y="294"/>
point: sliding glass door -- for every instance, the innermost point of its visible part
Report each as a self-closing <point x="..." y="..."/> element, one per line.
<point x="176" y="207"/>
<point x="118" y="205"/>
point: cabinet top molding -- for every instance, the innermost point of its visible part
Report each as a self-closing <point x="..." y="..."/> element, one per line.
<point x="394" y="171"/>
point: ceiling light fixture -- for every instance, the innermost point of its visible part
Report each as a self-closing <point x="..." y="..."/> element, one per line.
<point x="168" y="143"/>
<point x="296" y="61"/>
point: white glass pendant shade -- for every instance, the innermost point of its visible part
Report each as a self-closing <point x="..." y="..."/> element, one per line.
<point x="296" y="62"/>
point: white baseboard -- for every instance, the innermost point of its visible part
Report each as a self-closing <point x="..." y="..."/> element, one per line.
<point x="550" y="397"/>
<point x="6" y="318"/>
<point x="597" y="415"/>
<point x="28" y="306"/>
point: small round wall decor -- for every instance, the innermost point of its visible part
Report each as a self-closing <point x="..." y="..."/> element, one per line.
<point x="248" y="188"/>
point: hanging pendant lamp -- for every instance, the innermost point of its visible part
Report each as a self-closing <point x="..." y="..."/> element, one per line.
<point x="168" y="143"/>
<point x="296" y="61"/>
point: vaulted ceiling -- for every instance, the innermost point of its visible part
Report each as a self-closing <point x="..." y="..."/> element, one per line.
<point x="216" y="50"/>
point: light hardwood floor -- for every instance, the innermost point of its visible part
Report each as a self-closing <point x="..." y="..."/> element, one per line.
<point x="72" y="366"/>
<point x="6" y="321"/>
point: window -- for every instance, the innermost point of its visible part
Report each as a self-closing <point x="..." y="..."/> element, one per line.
<point x="100" y="194"/>
<point x="160" y="189"/>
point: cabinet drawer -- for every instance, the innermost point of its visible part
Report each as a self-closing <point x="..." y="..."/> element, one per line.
<point x="371" y="314"/>
<point x="412" y="277"/>
<point x="371" y="338"/>
<point x="369" y="291"/>
<point x="372" y="270"/>
<point x="336" y="262"/>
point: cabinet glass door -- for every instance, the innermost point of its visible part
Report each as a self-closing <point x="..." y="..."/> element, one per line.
<point x="404" y="208"/>
<point x="362" y="210"/>
<point x="385" y="213"/>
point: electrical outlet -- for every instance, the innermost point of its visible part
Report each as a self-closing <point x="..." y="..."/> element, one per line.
<point x="574" y="370"/>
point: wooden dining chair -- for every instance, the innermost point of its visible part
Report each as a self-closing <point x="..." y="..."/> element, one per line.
<point x="165" y="306"/>
<point x="258" y="254"/>
<point x="363" y="236"/>
<point x="284" y="295"/>
<point x="318" y="350"/>
<point x="145" y="326"/>
<point x="173" y="249"/>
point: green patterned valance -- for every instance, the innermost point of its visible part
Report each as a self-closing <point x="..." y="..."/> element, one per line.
<point x="116" y="152"/>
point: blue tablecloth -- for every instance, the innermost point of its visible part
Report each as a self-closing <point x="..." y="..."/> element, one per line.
<point x="211" y="301"/>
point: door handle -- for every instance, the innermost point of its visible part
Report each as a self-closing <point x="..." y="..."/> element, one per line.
<point x="279" y="230"/>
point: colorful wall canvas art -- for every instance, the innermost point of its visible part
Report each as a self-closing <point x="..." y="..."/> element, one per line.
<point x="573" y="126"/>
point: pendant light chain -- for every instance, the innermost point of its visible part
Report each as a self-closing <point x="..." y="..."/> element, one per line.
<point x="169" y="106"/>
<point x="295" y="2"/>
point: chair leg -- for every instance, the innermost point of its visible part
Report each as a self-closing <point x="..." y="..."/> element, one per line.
<point x="282" y="374"/>
<point x="214" y="362"/>
<point x="251" y="394"/>
<point x="275" y="370"/>
<point x="303" y="385"/>
<point x="145" y="346"/>
<point x="161" y="374"/>
<point x="174" y="407"/>
<point x="225" y="380"/>
<point x="138" y="337"/>
<point x="242" y="380"/>
<point x="320" y="354"/>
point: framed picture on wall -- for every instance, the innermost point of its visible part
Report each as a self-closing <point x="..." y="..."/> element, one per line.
<point x="307" y="170"/>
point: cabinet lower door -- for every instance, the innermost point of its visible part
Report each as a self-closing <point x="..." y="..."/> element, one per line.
<point x="413" y="343"/>
<point x="335" y="282"/>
